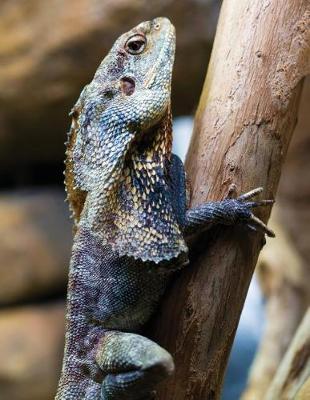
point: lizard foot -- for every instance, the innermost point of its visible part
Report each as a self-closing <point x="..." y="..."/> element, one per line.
<point x="133" y="365"/>
<point x="252" y="221"/>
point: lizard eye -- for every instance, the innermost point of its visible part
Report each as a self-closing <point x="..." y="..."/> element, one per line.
<point x="136" y="44"/>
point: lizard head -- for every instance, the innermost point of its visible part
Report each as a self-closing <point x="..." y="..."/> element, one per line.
<point x="128" y="96"/>
<point x="140" y="59"/>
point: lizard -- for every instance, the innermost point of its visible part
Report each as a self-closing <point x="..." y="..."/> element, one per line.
<point x="127" y="193"/>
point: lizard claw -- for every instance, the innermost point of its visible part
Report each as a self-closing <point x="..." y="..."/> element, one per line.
<point x="253" y="222"/>
<point x="256" y="224"/>
<point x="254" y="204"/>
<point x="250" y="194"/>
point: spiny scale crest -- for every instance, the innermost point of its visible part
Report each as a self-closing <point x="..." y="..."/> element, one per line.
<point x="119" y="142"/>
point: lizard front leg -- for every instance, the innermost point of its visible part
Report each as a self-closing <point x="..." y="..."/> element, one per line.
<point x="227" y="212"/>
<point x="134" y="366"/>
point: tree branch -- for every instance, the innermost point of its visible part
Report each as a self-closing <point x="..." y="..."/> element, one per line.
<point x="294" y="369"/>
<point x="284" y="279"/>
<point x="243" y="126"/>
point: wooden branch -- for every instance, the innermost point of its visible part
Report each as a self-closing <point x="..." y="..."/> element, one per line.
<point x="244" y="122"/>
<point x="283" y="279"/>
<point x="304" y="391"/>
<point x="295" y="366"/>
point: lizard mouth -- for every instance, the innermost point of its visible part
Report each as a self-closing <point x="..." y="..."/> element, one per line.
<point x="128" y="85"/>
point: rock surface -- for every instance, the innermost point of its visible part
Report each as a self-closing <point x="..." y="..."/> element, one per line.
<point x="35" y="245"/>
<point x="31" y="346"/>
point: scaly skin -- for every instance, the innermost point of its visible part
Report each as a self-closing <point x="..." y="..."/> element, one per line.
<point x="127" y="194"/>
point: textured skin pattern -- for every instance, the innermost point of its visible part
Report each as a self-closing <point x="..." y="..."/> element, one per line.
<point x="105" y="163"/>
<point x="127" y="193"/>
<point x="106" y="292"/>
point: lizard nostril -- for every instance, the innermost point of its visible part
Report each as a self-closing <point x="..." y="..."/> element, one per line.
<point x="127" y="85"/>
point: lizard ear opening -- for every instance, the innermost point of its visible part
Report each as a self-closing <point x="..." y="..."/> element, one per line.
<point x="128" y="85"/>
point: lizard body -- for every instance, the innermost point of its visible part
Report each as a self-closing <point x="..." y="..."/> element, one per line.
<point x="127" y="192"/>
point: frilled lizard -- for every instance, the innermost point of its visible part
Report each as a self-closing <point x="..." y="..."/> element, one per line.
<point x="127" y="192"/>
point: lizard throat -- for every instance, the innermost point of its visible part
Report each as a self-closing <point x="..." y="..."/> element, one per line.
<point x="136" y="216"/>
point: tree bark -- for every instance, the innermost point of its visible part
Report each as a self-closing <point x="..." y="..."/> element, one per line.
<point x="304" y="391"/>
<point x="295" y="366"/>
<point x="285" y="283"/>
<point x="243" y="126"/>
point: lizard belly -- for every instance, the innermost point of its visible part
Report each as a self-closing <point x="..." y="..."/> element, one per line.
<point x="120" y="293"/>
<point x="105" y="293"/>
<point x="128" y="294"/>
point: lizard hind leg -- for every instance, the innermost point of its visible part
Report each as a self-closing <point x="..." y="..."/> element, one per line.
<point x="133" y="364"/>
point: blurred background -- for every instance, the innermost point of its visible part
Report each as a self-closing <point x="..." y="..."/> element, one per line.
<point x="48" y="51"/>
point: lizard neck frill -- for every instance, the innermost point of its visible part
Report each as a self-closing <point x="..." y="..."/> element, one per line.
<point x="134" y="214"/>
<point x="75" y="196"/>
